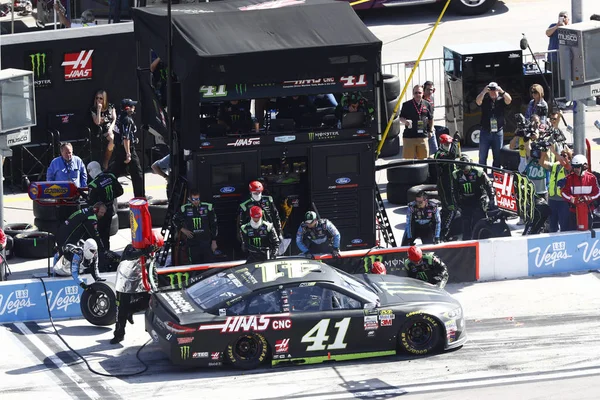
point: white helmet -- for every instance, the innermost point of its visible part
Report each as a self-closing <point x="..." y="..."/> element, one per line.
<point x="94" y="169"/>
<point x="90" y="249"/>
<point x="579" y="161"/>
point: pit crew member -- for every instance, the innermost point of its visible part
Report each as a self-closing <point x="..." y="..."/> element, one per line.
<point x="581" y="186"/>
<point x="426" y="267"/>
<point x="422" y="221"/>
<point x="448" y="150"/>
<point x="82" y="224"/>
<point x="77" y="259"/>
<point x="317" y="235"/>
<point x="266" y="203"/>
<point x="259" y="238"/>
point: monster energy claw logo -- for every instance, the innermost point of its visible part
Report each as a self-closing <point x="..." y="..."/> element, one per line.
<point x="525" y="196"/>
<point x="185" y="352"/>
<point x="109" y="192"/>
<point x="468" y="187"/>
<point x="256" y="241"/>
<point x="197" y="221"/>
<point x="40" y="64"/>
<point x="241" y="88"/>
<point x="182" y="279"/>
<point x="422" y="276"/>
<point x="369" y="261"/>
<point x="38" y="60"/>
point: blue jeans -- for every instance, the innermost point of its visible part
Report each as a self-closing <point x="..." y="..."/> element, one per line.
<point x="433" y="144"/>
<point x="493" y="140"/>
<point x="559" y="216"/>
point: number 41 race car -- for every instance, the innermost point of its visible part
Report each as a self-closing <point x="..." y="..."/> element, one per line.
<point x="301" y="311"/>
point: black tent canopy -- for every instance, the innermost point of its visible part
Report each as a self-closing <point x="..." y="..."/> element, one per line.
<point x="257" y="41"/>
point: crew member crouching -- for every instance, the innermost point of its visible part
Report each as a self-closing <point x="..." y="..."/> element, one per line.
<point x="426" y="267"/>
<point x="78" y="259"/>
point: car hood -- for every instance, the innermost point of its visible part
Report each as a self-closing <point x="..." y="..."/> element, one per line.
<point x="396" y="289"/>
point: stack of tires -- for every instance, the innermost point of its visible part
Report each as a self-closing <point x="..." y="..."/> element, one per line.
<point x="404" y="182"/>
<point x="25" y="241"/>
<point x="391" y="87"/>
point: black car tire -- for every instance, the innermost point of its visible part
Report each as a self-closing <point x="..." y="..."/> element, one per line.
<point x="472" y="136"/>
<point x="3" y="271"/>
<point x="397" y="193"/>
<point x="391" y="86"/>
<point x="460" y="7"/>
<point x="114" y="225"/>
<point x="430" y="190"/>
<point x="432" y="174"/>
<point x="99" y="304"/>
<point x="123" y="214"/>
<point x="247" y="351"/>
<point x="34" y="245"/>
<point x="410" y="174"/>
<point x="485" y="229"/>
<point x="390" y="148"/>
<point x="47" y="226"/>
<point x="394" y="129"/>
<point x="15" y="229"/>
<point x="509" y="159"/>
<point x="158" y="211"/>
<point x="50" y="212"/>
<point x="421" y="334"/>
<point x="9" y="249"/>
<point x="391" y="104"/>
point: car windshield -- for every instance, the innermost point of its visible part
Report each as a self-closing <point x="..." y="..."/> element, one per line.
<point x="217" y="289"/>
<point x="358" y="287"/>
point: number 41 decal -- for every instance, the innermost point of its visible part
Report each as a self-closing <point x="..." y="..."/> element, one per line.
<point x="318" y="336"/>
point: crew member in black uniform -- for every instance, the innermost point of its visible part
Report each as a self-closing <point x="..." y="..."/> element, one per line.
<point x="352" y="103"/>
<point x="295" y="107"/>
<point x="125" y="158"/>
<point x="473" y="190"/>
<point x="82" y="224"/>
<point x="236" y="116"/>
<point x="426" y="267"/>
<point x="448" y="150"/>
<point x="104" y="188"/>
<point x="259" y="238"/>
<point x="422" y="221"/>
<point x="266" y="203"/>
<point x="197" y="221"/>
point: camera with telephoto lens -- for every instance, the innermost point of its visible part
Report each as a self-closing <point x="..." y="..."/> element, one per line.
<point x="524" y="127"/>
<point x="547" y="139"/>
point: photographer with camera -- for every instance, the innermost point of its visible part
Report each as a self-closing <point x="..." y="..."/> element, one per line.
<point x="493" y="101"/>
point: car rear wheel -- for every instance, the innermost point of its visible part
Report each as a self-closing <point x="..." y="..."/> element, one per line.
<point x="472" y="7"/>
<point x="248" y="351"/>
<point x="99" y="305"/>
<point x="421" y="334"/>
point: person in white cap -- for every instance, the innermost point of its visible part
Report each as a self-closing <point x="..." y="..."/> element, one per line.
<point x="104" y="188"/>
<point x="493" y="101"/>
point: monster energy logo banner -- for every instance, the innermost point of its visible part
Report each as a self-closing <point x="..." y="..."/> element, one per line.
<point x="185" y="352"/>
<point x="525" y="196"/>
<point x="241" y="88"/>
<point x="179" y="280"/>
<point x="197" y="221"/>
<point x="368" y="262"/>
<point x="40" y="64"/>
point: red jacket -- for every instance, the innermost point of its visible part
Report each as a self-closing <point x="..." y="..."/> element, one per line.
<point x="584" y="185"/>
<point x="2" y="239"/>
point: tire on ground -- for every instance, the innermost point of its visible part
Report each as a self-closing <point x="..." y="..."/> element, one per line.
<point x="411" y="174"/>
<point x="391" y="104"/>
<point x="34" y="245"/>
<point x="509" y="159"/>
<point x="158" y="211"/>
<point x="50" y="212"/>
<point x="114" y="225"/>
<point x="390" y="148"/>
<point x="421" y="327"/>
<point x="397" y="193"/>
<point x="15" y="229"/>
<point x="394" y="129"/>
<point x="484" y="229"/>
<point x="10" y="247"/>
<point x="47" y="226"/>
<point x="391" y="86"/>
<point x="430" y="190"/>
<point x="99" y="305"/>
<point x="123" y="214"/>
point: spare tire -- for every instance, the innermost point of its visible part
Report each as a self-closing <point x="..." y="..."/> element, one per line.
<point x="50" y="212"/>
<point x="34" y="245"/>
<point x="390" y="148"/>
<point x="391" y="86"/>
<point x="509" y="159"/>
<point x="410" y="174"/>
<point x="397" y="193"/>
<point x="114" y="225"/>
<point x="394" y="129"/>
<point x="15" y="229"/>
<point x="391" y="104"/>
<point x="158" y="211"/>
<point x="433" y="174"/>
<point x="123" y="214"/>
<point x="99" y="305"/>
<point x="9" y="249"/>
<point x="47" y="226"/>
<point x="430" y="190"/>
<point x="485" y="229"/>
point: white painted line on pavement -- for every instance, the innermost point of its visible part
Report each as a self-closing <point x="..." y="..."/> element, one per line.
<point x="68" y="371"/>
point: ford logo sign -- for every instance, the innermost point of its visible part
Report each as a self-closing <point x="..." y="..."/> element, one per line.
<point x="342" y="181"/>
<point x="356" y="241"/>
<point x="227" y="189"/>
<point x="204" y="144"/>
<point x="361" y="131"/>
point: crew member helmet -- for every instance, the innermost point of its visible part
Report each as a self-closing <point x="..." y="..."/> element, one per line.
<point x="578" y="161"/>
<point x="255" y="186"/>
<point x="415" y="254"/>
<point x="445" y="139"/>
<point x="256" y="212"/>
<point x="90" y="249"/>
<point x="378" y="268"/>
<point x="94" y="169"/>
<point x="310" y="216"/>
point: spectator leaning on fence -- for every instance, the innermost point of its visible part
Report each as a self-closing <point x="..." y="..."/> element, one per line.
<point x="67" y="167"/>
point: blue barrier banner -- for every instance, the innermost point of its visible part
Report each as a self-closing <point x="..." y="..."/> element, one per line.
<point x="563" y="253"/>
<point x="25" y="300"/>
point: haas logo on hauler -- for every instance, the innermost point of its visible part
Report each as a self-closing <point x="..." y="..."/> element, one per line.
<point x="245" y="142"/>
<point x="78" y="66"/>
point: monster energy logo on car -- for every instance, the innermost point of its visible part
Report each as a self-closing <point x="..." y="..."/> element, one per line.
<point x="197" y="221"/>
<point x="525" y="196"/>
<point x="185" y="352"/>
<point x="40" y="64"/>
<point x="368" y="262"/>
<point x="241" y="88"/>
<point x="468" y="187"/>
<point x="182" y="279"/>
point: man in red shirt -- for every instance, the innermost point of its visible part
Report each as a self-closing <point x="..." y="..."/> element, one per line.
<point x="581" y="187"/>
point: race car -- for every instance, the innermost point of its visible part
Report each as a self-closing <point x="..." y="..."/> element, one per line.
<point x="300" y="311"/>
<point x="464" y="7"/>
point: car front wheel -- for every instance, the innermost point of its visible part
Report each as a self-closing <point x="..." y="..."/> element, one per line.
<point x="421" y="334"/>
<point x="472" y="7"/>
<point x="248" y="351"/>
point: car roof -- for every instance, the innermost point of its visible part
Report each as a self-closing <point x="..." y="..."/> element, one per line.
<point x="271" y="273"/>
